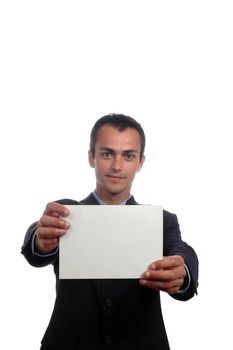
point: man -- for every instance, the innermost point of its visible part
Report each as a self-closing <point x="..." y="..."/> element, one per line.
<point x="115" y="314"/>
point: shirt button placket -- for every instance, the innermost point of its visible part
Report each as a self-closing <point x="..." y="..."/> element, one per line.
<point x="108" y="339"/>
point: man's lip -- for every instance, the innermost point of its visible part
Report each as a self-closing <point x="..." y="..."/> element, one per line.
<point x="115" y="176"/>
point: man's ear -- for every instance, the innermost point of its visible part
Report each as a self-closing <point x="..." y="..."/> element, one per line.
<point x="141" y="163"/>
<point x="91" y="159"/>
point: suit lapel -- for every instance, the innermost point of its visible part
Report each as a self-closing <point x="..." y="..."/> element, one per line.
<point x="91" y="200"/>
<point x="131" y="201"/>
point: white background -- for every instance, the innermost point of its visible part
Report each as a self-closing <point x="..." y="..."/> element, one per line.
<point x="168" y="64"/>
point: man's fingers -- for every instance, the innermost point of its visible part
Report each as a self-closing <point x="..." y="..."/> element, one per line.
<point x="50" y="232"/>
<point x="166" y="275"/>
<point x="51" y="227"/>
<point x="46" y="245"/>
<point x="53" y="208"/>
<point x="164" y="286"/>
<point x="167" y="263"/>
<point x="51" y="221"/>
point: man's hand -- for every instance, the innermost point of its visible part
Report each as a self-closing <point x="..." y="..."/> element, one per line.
<point x="166" y="274"/>
<point x="51" y="227"/>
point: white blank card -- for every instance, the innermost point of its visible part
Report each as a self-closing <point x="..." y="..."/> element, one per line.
<point x="110" y="241"/>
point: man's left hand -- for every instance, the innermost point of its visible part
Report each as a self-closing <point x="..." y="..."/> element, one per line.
<point x="166" y="274"/>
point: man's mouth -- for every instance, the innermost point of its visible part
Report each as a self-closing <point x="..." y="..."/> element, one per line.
<point x="113" y="176"/>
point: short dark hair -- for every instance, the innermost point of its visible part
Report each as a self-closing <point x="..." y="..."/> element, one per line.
<point x="120" y="122"/>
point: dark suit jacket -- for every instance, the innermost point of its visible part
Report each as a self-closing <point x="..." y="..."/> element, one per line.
<point x="110" y="314"/>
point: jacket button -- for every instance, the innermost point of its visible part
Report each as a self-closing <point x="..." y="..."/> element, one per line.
<point x="108" y="302"/>
<point x="108" y="340"/>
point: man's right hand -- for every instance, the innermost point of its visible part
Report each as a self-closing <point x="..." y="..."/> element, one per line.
<point x="51" y="227"/>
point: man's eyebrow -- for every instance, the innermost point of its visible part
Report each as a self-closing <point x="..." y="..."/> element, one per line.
<point x="130" y="151"/>
<point x="107" y="149"/>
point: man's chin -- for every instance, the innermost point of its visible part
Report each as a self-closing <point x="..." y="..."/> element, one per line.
<point x="115" y="190"/>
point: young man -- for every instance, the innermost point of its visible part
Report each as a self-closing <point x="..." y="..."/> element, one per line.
<point x="115" y="314"/>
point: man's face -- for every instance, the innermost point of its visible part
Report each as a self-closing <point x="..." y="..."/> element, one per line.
<point x="116" y="161"/>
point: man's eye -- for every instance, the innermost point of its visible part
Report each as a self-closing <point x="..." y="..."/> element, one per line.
<point x="106" y="154"/>
<point x="129" y="156"/>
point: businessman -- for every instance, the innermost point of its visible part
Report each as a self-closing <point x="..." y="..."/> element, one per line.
<point x="116" y="314"/>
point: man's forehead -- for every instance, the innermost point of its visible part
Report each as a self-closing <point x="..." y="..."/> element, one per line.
<point x="112" y="133"/>
<point x="118" y="144"/>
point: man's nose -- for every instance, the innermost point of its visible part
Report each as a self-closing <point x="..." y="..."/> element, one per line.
<point x="117" y="163"/>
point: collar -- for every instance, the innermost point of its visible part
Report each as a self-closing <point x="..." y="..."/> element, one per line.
<point x="101" y="202"/>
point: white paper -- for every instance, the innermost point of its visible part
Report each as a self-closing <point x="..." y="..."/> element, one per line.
<point x="111" y="241"/>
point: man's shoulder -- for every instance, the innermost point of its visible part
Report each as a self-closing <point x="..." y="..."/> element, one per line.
<point x="67" y="201"/>
<point x="168" y="214"/>
<point x="169" y="219"/>
<point x="89" y="200"/>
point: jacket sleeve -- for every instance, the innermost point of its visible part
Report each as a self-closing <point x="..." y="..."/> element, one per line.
<point x="174" y="245"/>
<point x="34" y="257"/>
